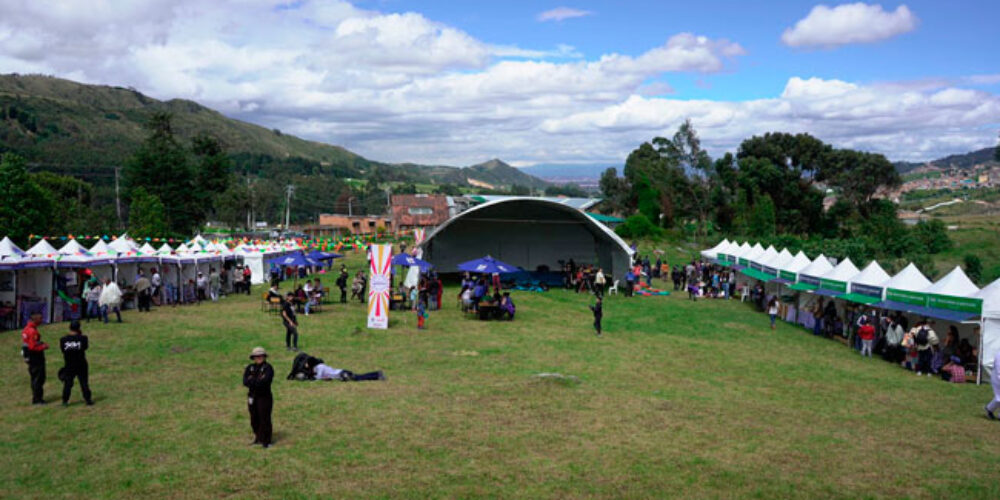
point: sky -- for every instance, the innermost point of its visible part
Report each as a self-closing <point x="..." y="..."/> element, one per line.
<point x="457" y="83"/>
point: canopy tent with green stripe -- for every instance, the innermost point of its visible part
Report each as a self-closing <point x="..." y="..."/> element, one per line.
<point x="803" y="287"/>
<point x="755" y="274"/>
<point x="860" y="298"/>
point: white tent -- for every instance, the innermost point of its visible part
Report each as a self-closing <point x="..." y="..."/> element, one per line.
<point x="9" y="249"/>
<point x="713" y="253"/>
<point x="820" y="266"/>
<point x="42" y="249"/>
<point x="843" y="272"/>
<point x="768" y="254"/>
<point x="872" y="275"/>
<point x="989" y="329"/>
<point x="955" y="284"/>
<point x="910" y="279"/>
<point x="72" y="247"/>
<point x="100" y="248"/>
<point x="9" y="254"/>
<point x="797" y="264"/>
<point x="123" y="245"/>
<point x="147" y="249"/>
<point x="743" y="250"/>
<point x="780" y="260"/>
<point x="755" y="252"/>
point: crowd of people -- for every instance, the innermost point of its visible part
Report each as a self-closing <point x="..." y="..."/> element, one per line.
<point x="484" y="295"/>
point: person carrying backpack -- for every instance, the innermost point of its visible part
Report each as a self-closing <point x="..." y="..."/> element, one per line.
<point x="925" y="340"/>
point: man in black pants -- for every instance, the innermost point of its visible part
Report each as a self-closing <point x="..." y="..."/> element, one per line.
<point x="74" y="349"/>
<point x="33" y="350"/>
<point x="598" y="315"/>
<point x="342" y="284"/>
<point x="291" y="322"/>
<point x="257" y="379"/>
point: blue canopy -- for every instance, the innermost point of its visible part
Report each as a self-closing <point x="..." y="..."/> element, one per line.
<point x="318" y="255"/>
<point x="487" y="265"/>
<point x="293" y="260"/>
<point x="930" y="312"/>
<point x="403" y="259"/>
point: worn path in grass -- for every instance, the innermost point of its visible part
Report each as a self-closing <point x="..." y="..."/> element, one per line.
<point x="679" y="399"/>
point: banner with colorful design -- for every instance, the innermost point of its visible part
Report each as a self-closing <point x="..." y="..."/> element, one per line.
<point x="418" y="235"/>
<point x="380" y="264"/>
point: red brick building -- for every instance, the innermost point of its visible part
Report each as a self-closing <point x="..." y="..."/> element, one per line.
<point x="418" y="210"/>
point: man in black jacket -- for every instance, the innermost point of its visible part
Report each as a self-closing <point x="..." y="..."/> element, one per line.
<point x="74" y="349"/>
<point x="342" y="284"/>
<point x="598" y="315"/>
<point x="257" y="378"/>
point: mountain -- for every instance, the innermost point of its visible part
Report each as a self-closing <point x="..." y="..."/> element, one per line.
<point x="556" y="172"/>
<point x="79" y="129"/>
<point x="981" y="157"/>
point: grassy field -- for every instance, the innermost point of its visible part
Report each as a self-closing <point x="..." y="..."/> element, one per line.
<point x="679" y="399"/>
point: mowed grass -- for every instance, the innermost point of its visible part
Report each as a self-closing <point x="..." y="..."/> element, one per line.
<point x="679" y="399"/>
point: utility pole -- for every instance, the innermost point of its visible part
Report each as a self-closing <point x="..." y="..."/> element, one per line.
<point x="289" y="190"/>
<point x="350" y="213"/>
<point x="118" y="199"/>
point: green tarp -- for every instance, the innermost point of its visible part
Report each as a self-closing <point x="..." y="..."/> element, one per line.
<point x="755" y="274"/>
<point x="802" y="287"/>
<point x="859" y="298"/>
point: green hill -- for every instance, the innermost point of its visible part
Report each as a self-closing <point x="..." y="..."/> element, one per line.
<point x="77" y="129"/>
<point x="972" y="159"/>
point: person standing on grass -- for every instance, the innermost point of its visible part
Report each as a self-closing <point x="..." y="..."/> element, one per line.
<point x="93" y="296"/>
<point x="257" y="379"/>
<point x="157" y="281"/>
<point x="772" y="310"/>
<point x="214" y="284"/>
<point x="599" y="282"/>
<point x="33" y="350"/>
<point x="421" y="314"/>
<point x="74" y="348"/>
<point x="111" y="300"/>
<point x="926" y="341"/>
<point x="291" y="322"/>
<point x="993" y="406"/>
<point x="247" y="275"/>
<point x="143" y="288"/>
<point x="866" y="332"/>
<point x="598" y="315"/>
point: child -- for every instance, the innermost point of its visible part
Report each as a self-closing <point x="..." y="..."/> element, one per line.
<point x="598" y="314"/>
<point x="421" y="314"/>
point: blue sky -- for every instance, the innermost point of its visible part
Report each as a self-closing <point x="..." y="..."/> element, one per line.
<point x="458" y="83"/>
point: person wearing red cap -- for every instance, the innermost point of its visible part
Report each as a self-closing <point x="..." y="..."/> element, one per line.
<point x="34" y="355"/>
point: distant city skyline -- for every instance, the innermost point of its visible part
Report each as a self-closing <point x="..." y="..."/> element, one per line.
<point x="585" y="82"/>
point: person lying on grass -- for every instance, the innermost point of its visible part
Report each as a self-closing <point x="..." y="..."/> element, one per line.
<point x="322" y="371"/>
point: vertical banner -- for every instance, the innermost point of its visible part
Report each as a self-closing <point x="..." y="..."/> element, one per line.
<point x="378" y="286"/>
<point x="418" y="235"/>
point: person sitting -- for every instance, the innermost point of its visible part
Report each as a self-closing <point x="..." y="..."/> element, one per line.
<point x="953" y="371"/>
<point x="318" y="291"/>
<point x="273" y="293"/>
<point x="478" y="293"/>
<point x="507" y="308"/>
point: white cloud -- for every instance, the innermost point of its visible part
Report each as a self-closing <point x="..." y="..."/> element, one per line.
<point x="402" y="87"/>
<point x="562" y="14"/>
<point x="847" y="24"/>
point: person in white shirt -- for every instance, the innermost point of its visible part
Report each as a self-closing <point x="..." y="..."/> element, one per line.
<point x="111" y="300"/>
<point x="323" y="371"/>
<point x="157" y="282"/>
<point x="600" y="281"/>
<point x="202" y="285"/>
<point x="308" y="289"/>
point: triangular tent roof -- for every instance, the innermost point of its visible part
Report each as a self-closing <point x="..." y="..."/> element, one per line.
<point x="72" y="247"/>
<point x="146" y="248"/>
<point x="991" y="299"/>
<point x="41" y="249"/>
<point x="754" y="252"/>
<point x="779" y="260"/>
<point x="843" y="272"/>
<point x="818" y="267"/>
<point x="712" y="252"/>
<point x="768" y="254"/>
<point x="99" y="248"/>
<point x="909" y="279"/>
<point x="123" y="245"/>
<point x="955" y="284"/>
<point x="9" y="249"/>
<point x="164" y="249"/>
<point x="798" y="263"/>
<point x="871" y="275"/>
<point x="745" y="248"/>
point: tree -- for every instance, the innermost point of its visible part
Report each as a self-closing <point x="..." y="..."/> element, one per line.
<point x="147" y="215"/>
<point x="615" y="191"/>
<point x="449" y="190"/>
<point x="638" y="226"/>
<point x="762" y="218"/>
<point x="858" y="176"/>
<point x="162" y="167"/>
<point x="973" y="267"/>
<point x="932" y="236"/>
<point x="519" y="190"/>
<point x="25" y="208"/>
<point x="570" y="189"/>
<point x="213" y="172"/>
<point x="409" y="188"/>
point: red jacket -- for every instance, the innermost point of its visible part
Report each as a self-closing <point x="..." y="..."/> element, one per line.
<point x="31" y="338"/>
<point x="866" y="332"/>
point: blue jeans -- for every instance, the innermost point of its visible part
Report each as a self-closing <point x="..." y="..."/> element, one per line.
<point x="773" y="317"/>
<point x="117" y="310"/>
<point x="93" y="310"/>
<point x="818" y="327"/>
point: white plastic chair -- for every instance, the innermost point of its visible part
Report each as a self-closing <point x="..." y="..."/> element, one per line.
<point x="613" y="289"/>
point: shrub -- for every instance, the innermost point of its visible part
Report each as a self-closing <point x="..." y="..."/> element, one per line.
<point x="638" y="226"/>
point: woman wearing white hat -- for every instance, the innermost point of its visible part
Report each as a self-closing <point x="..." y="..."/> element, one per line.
<point x="257" y="379"/>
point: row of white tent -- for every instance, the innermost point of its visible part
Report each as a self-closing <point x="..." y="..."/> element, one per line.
<point x="28" y="277"/>
<point x="954" y="298"/>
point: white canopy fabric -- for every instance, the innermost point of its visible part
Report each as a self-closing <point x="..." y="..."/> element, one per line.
<point x="72" y="247"/>
<point x="147" y="249"/>
<point x="768" y="254"/>
<point x="955" y="284"/>
<point x="818" y="267"/>
<point x="744" y="249"/>
<point x="781" y="260"/>
<point x="164" y="250"/>
<point x="991" y="299"/>
<point x="123" y="245"/>
<point x="871" y="275"/>
<point x="843" y="272"/>
<point x="909" y="279"/>
<point x="714" y="252"/>
<point x="100" y="248"/>
<point x="990" y="328"/>
<point x="41" y="249"/>
<point x="9" y="249"/>
<point x="798" y="263"/>
<point x="754" y="253"/>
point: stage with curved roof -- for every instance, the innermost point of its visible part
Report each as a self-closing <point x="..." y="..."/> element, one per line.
<point x="529" y="233"/>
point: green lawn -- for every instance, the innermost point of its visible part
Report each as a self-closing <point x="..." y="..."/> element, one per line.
<point x="679" y="399"/>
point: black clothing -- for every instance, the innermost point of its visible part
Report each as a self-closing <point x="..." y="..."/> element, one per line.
<point x="342" y="285"/>
<point x="36" y="369"/>
<point x="74" y="349"/>
<point x="598" y="315"/>
<point x="291" y="328"/>
<point x="257" y="379"/>
<point x="289" y="312"/>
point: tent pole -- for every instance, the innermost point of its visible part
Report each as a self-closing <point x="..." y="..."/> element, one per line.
<point x="979" y="352"/>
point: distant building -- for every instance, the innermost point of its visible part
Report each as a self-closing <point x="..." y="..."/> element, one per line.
<point x="339" y="224"/>
<point x="419" y="210"/>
